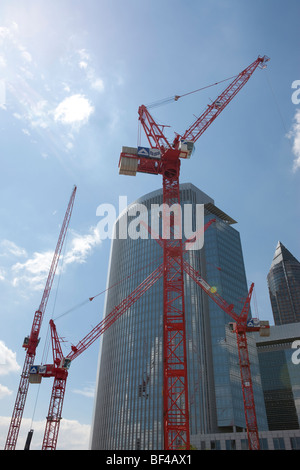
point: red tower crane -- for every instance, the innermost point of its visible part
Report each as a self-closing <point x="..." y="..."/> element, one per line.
<point x="164" y="158"/>
<point x="31" y="341"/>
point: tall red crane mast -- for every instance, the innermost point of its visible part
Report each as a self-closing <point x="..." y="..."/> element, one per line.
<point x="31" y="341"/>
<point x="164" y="158"/>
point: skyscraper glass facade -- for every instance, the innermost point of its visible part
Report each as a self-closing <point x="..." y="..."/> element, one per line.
<point x="284" y="286"/>
<point x="280" y="374"/>
<point x="129" y="400"/>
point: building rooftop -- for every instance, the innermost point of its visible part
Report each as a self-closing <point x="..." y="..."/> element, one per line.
<point x="219" y="213"/>
<point x="282" y="254"/>
<point x="287" y="332"/>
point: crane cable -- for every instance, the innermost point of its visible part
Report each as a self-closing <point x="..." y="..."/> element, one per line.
<point x="47" y="339"/>
<point x="280" y="114"/>
<point x="161" y="102"/>
<point x="90" y="299"/>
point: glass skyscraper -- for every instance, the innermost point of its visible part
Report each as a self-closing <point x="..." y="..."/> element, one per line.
<point x="284" y="286"/>
<point x="128" y="413"/>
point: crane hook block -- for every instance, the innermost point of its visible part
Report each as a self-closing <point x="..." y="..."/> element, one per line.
<point x="28" y="440"/>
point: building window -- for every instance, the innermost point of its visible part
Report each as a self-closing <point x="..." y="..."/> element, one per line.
<point x="263" y="444"/>
<point x="230" y="444"/>
<point x="295" y="443"/>
<point x="215" y="445"/>
<point x="244" y="444"/>
<point x="278" y="443"/>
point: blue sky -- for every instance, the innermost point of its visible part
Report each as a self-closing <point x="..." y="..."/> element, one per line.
<point x="72" y="76"/>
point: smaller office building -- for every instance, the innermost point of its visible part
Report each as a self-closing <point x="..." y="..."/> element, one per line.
<point x="269" y="440"/>
<point x="279" y="363"/>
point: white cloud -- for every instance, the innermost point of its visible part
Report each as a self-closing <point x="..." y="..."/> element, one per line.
<point x="75" y="109"/>
<point x="69" y="145"/>
<point x="4" y="391"/>
<point x="66" y="87"/>
<point x="115" y="116"/>
<point x="9" y="247"/>
<point x="38" y="114"/>
<point x="2" y="94"/>
<point x="88" y="391"/>
<point x="25" y="54"/>
<point x="5" y="32"/>
<point x="82" y="246"/>
<point x="2" y="274"/>
<point x="83" y="54"/>
<point x="295" y="135"/>
<point x="2" y="61"/>
<point x="10" y="35"/>
<point x="83" y="64"/>
<point x="72" y="434"/>
<point x="42" y="100"/>
<point x="97" y="84"/>
<point x="8" y="361"/>
<point x="33" y="273"/>
<point x="38" y="107"/>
